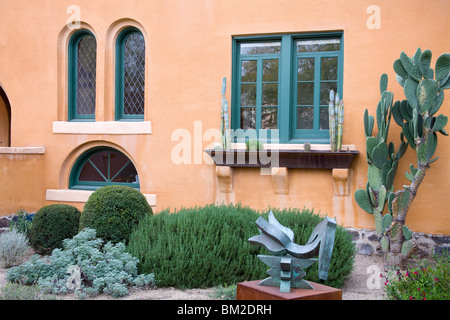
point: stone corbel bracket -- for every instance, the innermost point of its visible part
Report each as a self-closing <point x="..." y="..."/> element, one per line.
<point x="280" y="180"/>
<point x="340" y="182"/>
<point x="225" y="178"/>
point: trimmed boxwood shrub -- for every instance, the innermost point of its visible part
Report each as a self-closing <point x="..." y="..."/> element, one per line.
<point x="114" y="211"/>
<point x="208" y="246"/>
<point x="51" y="225"/>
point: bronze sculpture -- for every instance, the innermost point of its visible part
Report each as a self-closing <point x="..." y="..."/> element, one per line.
<point x="288" y="259"/>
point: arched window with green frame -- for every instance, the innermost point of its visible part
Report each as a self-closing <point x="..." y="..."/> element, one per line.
<point x="103" y="166"/>
<point x="130" y="75"/>
<point x="82" y="71"/>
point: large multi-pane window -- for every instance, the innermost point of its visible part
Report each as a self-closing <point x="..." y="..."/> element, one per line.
<point x="284" y="83"/>
<point x="82" y="76"/>
<point x="130" y="75"/>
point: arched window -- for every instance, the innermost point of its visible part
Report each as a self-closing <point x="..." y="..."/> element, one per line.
<point x="5" y="120"/>
<point x="130" y="75"/>
<point x="103" y="166"/>
<point x="82" y="76"/>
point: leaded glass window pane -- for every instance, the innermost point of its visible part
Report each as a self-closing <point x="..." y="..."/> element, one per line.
<point x="133" y="74"/>
<point x="86" y="75"/>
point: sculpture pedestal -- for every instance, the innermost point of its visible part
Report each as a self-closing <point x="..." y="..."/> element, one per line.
<point x="251" y="290"/>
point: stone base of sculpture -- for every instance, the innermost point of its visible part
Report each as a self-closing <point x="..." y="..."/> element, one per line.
<point x="252" y="290"/>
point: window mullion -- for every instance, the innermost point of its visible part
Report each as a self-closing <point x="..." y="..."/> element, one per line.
<point x="259" y="86"/>
<point x="109" y="166"/>
<point x="317" y="87"/>
<point x="285" y="107"/>
<point x="112" y="179"/>
<point x="95" y="167"/>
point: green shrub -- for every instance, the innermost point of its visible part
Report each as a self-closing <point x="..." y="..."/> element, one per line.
<point x="22" y="222"/>
<point x="15" y="291"/>
<point x="424" y="281"/>
<point x="104" y="268"/>
<point x="14" y="248"/>
<point x="208" y="246"/>
<point x="51" y="225"/>
<point x="114" y="211"/>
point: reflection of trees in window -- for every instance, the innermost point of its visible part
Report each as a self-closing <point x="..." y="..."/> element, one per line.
<point x="318" y="45"/>
<point x="269" y="118"/>
<point x="134" y="74"/>
<point x="82" y="75"/>
<point x="324" y="79"/>
<point x="86" y="75"/>
<point x="259" y="85"/>
<point x="260" y="48"/>
<point x="130" y="68"/>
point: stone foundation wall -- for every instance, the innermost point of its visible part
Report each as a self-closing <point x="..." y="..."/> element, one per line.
<point x="367" y="243"/>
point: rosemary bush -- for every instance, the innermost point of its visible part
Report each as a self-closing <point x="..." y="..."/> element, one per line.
<point x="105" y="268"/>
<point x="208" y="246"/>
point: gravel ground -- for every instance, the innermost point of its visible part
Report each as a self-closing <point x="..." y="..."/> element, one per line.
<point x="364" y="283"/>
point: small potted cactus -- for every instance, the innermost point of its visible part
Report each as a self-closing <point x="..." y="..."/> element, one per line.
<point x="307" y="146"/>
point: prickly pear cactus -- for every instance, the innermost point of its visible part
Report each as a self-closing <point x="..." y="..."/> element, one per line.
<point x="424" y="91"/>
<point x="382" y="160"/>
<point x="425" y="95"/>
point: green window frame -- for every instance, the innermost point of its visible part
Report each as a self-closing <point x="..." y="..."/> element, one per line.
<point x="308" y="66"/>
<point x="82" y="68"/>
<point x="130" y="75"/>
<point x="103" y="166"/>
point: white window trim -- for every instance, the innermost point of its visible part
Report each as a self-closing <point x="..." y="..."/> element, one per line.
<point x="68" y="195"/>
<point x="22" y="150"/>
<point x="102" y="127"/>
<point x="295" y="146"/>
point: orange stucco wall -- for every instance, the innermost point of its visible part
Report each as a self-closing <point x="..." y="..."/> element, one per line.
<point x="188" y="51"/>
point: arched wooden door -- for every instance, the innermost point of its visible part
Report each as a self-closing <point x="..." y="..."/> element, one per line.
<point x="5" y="120"/>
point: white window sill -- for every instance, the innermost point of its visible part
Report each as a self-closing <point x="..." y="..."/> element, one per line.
<point x="67" y="195"/>
<point x="103" y="127"/>
<point x="22" y="150"/>
<point x="294" y="146"/>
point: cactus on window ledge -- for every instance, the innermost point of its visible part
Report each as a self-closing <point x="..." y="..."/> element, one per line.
<point x="336" y="121"/>
<point x="224" y="123"/>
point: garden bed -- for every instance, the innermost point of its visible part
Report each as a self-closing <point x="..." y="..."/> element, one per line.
<point x="355" y="287"/>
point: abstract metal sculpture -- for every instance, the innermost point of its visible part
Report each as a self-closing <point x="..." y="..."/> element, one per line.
<point x="288" y="258"/>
